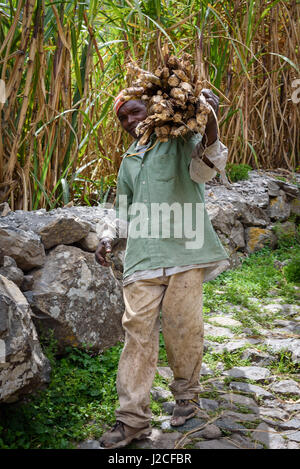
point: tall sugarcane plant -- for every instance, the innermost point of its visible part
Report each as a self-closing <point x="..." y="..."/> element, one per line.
<point x="63" y="62"/>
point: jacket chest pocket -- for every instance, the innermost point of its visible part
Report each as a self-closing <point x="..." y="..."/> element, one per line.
<point x="163" y="168"/>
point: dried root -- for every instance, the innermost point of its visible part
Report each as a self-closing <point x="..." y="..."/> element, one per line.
<point x="173" y="98"/>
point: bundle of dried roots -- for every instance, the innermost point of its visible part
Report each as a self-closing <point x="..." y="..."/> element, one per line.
<point x="173" y="97"/>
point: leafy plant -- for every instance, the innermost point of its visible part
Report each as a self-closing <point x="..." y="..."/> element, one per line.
<point x="82" y="390"/>
<point x="292" y="269"/>
<point x="58" y="113"/>
<point x="237" y="172"/>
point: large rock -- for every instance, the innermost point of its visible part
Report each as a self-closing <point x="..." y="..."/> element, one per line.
<point x="279" y="209"/>
<point x="25" y="247"/>
<point x="256" y="373"/>
<point x="80" y="300"/>
<point x="11" y="271"/>
<point x="23" y="367"/>
<point x="63" y="230"/>
<point x="65" y="225"/>
<point x="257" y="238"/>
<point x="290" y="344"/>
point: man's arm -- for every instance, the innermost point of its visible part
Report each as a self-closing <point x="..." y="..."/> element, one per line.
<point x="207" y="161"/>
<point x="110" y="232"/>
<point x="210" y="155"/>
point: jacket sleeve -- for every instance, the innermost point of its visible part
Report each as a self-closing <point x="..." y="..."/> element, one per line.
<point x="217" y="154"/>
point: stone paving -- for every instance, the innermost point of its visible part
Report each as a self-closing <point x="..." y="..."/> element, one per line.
<point x="243" y="407"/>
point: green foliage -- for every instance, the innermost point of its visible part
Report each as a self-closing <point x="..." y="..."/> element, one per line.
<point x="237" y="172"/>
<point x="287" y="236"/>
<point x="292" y="270"/>
<point x="284" y="363"/>
<point x="82" y="390"/>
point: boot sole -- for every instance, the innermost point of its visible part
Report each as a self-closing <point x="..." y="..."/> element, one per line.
<point x="138" y="436"/>
<point x="184" y="419"/>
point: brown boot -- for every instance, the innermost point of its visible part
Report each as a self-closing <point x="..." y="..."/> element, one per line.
<point x="121" y="435"/>
<point x="184" y="409"/>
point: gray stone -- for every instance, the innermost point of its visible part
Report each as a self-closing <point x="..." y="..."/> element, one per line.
<point x="291" y="407"/>
<point x="291" y="345"/>
<point x="205" y="370"/>
<point x="261" y="358"/>
<point x="25" y="247"/>
<point x="89" y="242"/>
<point x="257" y="238"/>
<point x="159" y="394"/>
<point x="166" y="424"/>
<point x="159" y="440"/>
<point x="255" y="373"/>
<point x="292" y="445"/>
<point x="63" y="230"/>
<point x="221" y="443"/>
<point x="241" y="417"/>
<point x="190" y="424"/>
<point x="241" y="401"/>
<point x="248" y="388"/>
<point x="293" y="424"/>
<point x="165" y="372"/>
<point x="269" y="437"/>
<point x="208" y="404"/>
<point x="79" y="299"/>
<point x="211" y="432"/>
<point x="287" y="386"/>
<point x="168" y="407"/>
<point x="27" y="283"/>
<point x="225" y="321"/>
<point x="23" y="366"/>
<point x="217" y="331"/>
<point x="222" y="217"/>
<point x="89" y="444"/>
<point x="290" y="309"/>
<point x="292" y="435"/>
<point x="287" y="326"/>
<point x="11" y="271"/>
<point x="244" y="442"/>
<point x="237" y="234"/>
<point x="36" y="221"/>
<point x="230" y="424"/>
<point x="273" y="188"/>
<point x="288" y="188"/>
<point x="273" y="413"/>
<point x="279" y="209"/>
<point x="233" y="345"/>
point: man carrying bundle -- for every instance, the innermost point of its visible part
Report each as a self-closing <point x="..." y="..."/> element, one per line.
<point x="163" y="273"/>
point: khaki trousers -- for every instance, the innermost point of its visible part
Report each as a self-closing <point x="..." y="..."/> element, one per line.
<point x="179" y="299"/>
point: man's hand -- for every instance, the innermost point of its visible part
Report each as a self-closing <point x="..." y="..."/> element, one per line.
<point x="103" y="248"/>
<point x="211" y="130"/>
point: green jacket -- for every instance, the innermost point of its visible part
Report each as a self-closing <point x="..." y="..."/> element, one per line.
<point x="145" y="182"/>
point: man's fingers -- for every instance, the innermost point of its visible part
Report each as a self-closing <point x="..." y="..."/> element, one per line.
<point x="107" y="246"/>
<point x="104" y="248"/>
<point x="211" y="98"/>
<point x="101" y="260"/>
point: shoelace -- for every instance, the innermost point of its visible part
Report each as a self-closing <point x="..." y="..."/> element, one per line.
<point x="116" y="425"/>
<point x="188" y="401"/>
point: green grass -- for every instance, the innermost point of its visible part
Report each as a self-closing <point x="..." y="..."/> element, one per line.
<point x="80" y="401"/>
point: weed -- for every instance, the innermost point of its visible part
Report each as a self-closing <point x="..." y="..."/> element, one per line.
<point x="284" y="364"/>
<point x="237" y="172"/>
<point x="82" y="389"/>
<point x="292" y="270"/>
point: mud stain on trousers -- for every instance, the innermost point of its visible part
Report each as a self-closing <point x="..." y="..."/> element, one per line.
<point x="179" y="299"/>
